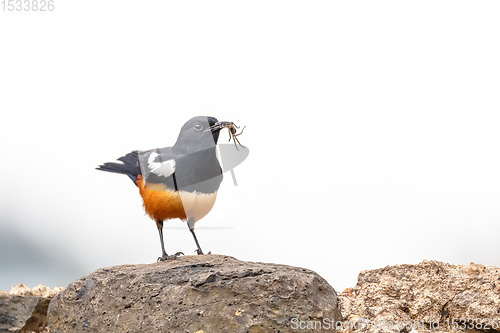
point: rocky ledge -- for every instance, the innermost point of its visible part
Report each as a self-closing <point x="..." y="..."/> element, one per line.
<point x="211" y="293"/>
<point x="25" y="310"/>
<point x="428" y="297"/>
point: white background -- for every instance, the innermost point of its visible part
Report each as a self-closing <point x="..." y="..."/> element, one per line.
<point x="373" y="129"/>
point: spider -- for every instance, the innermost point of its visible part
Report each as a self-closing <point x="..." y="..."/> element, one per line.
<point x="232" y="128"/>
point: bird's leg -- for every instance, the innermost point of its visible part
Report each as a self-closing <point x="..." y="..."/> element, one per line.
<point x="164" y="255"/>
<point x="191" y="228"/>
<point x="163" y="252"/>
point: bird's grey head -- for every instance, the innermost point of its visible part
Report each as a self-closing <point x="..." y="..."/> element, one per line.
<point x="198" y="133"/>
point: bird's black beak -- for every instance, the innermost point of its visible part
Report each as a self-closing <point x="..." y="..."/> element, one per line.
<point x="219" y="125"/>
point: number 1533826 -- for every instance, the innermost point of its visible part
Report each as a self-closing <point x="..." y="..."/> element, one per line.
<point x="27" y="5"/>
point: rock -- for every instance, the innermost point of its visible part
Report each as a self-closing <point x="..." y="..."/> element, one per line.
<point x="39" y="291"/>
<point x="24" y="309"/>
<point x="432" y="296"/>
<point x="210" y="293"/>
<point x="15" y="311"/>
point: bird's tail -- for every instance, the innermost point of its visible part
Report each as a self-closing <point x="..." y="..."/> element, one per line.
<point x="129" y="166"/>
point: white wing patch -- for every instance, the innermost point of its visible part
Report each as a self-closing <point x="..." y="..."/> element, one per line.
<point x="165" y="169"/>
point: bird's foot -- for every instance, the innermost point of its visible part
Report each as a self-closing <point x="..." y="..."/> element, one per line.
<point x="200" y="252"/>
<point x="167" y="257"/>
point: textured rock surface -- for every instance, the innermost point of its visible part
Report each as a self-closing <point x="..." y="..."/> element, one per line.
<point x="209" y="293"/>
<point x="24" y="309"/>
<point x="430" y="292"/>
<point x="15" y="311"/>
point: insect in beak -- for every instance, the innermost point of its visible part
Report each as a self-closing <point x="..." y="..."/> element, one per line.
<point x="232" y="129"/>
<point x="232" y="134"/>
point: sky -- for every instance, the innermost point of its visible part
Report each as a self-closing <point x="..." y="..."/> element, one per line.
<point x="372" y="129"/>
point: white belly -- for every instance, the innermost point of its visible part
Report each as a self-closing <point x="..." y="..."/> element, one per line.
<point x="197" y="205"/>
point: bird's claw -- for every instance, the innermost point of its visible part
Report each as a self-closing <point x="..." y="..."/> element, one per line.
<point x="200" y="252"/>
<point x="165" y="256"/>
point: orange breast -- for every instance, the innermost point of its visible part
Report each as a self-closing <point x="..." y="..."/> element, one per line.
<point x="161" y="204"/>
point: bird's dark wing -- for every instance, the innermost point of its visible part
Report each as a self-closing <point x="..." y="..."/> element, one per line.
<point x="158" y="167"/>
<point x="197" y="171"/>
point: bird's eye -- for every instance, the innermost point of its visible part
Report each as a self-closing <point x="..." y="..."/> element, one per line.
<point x="198" y="127"/>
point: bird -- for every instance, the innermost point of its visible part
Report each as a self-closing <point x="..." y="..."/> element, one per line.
<point x="179" y="181"/>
